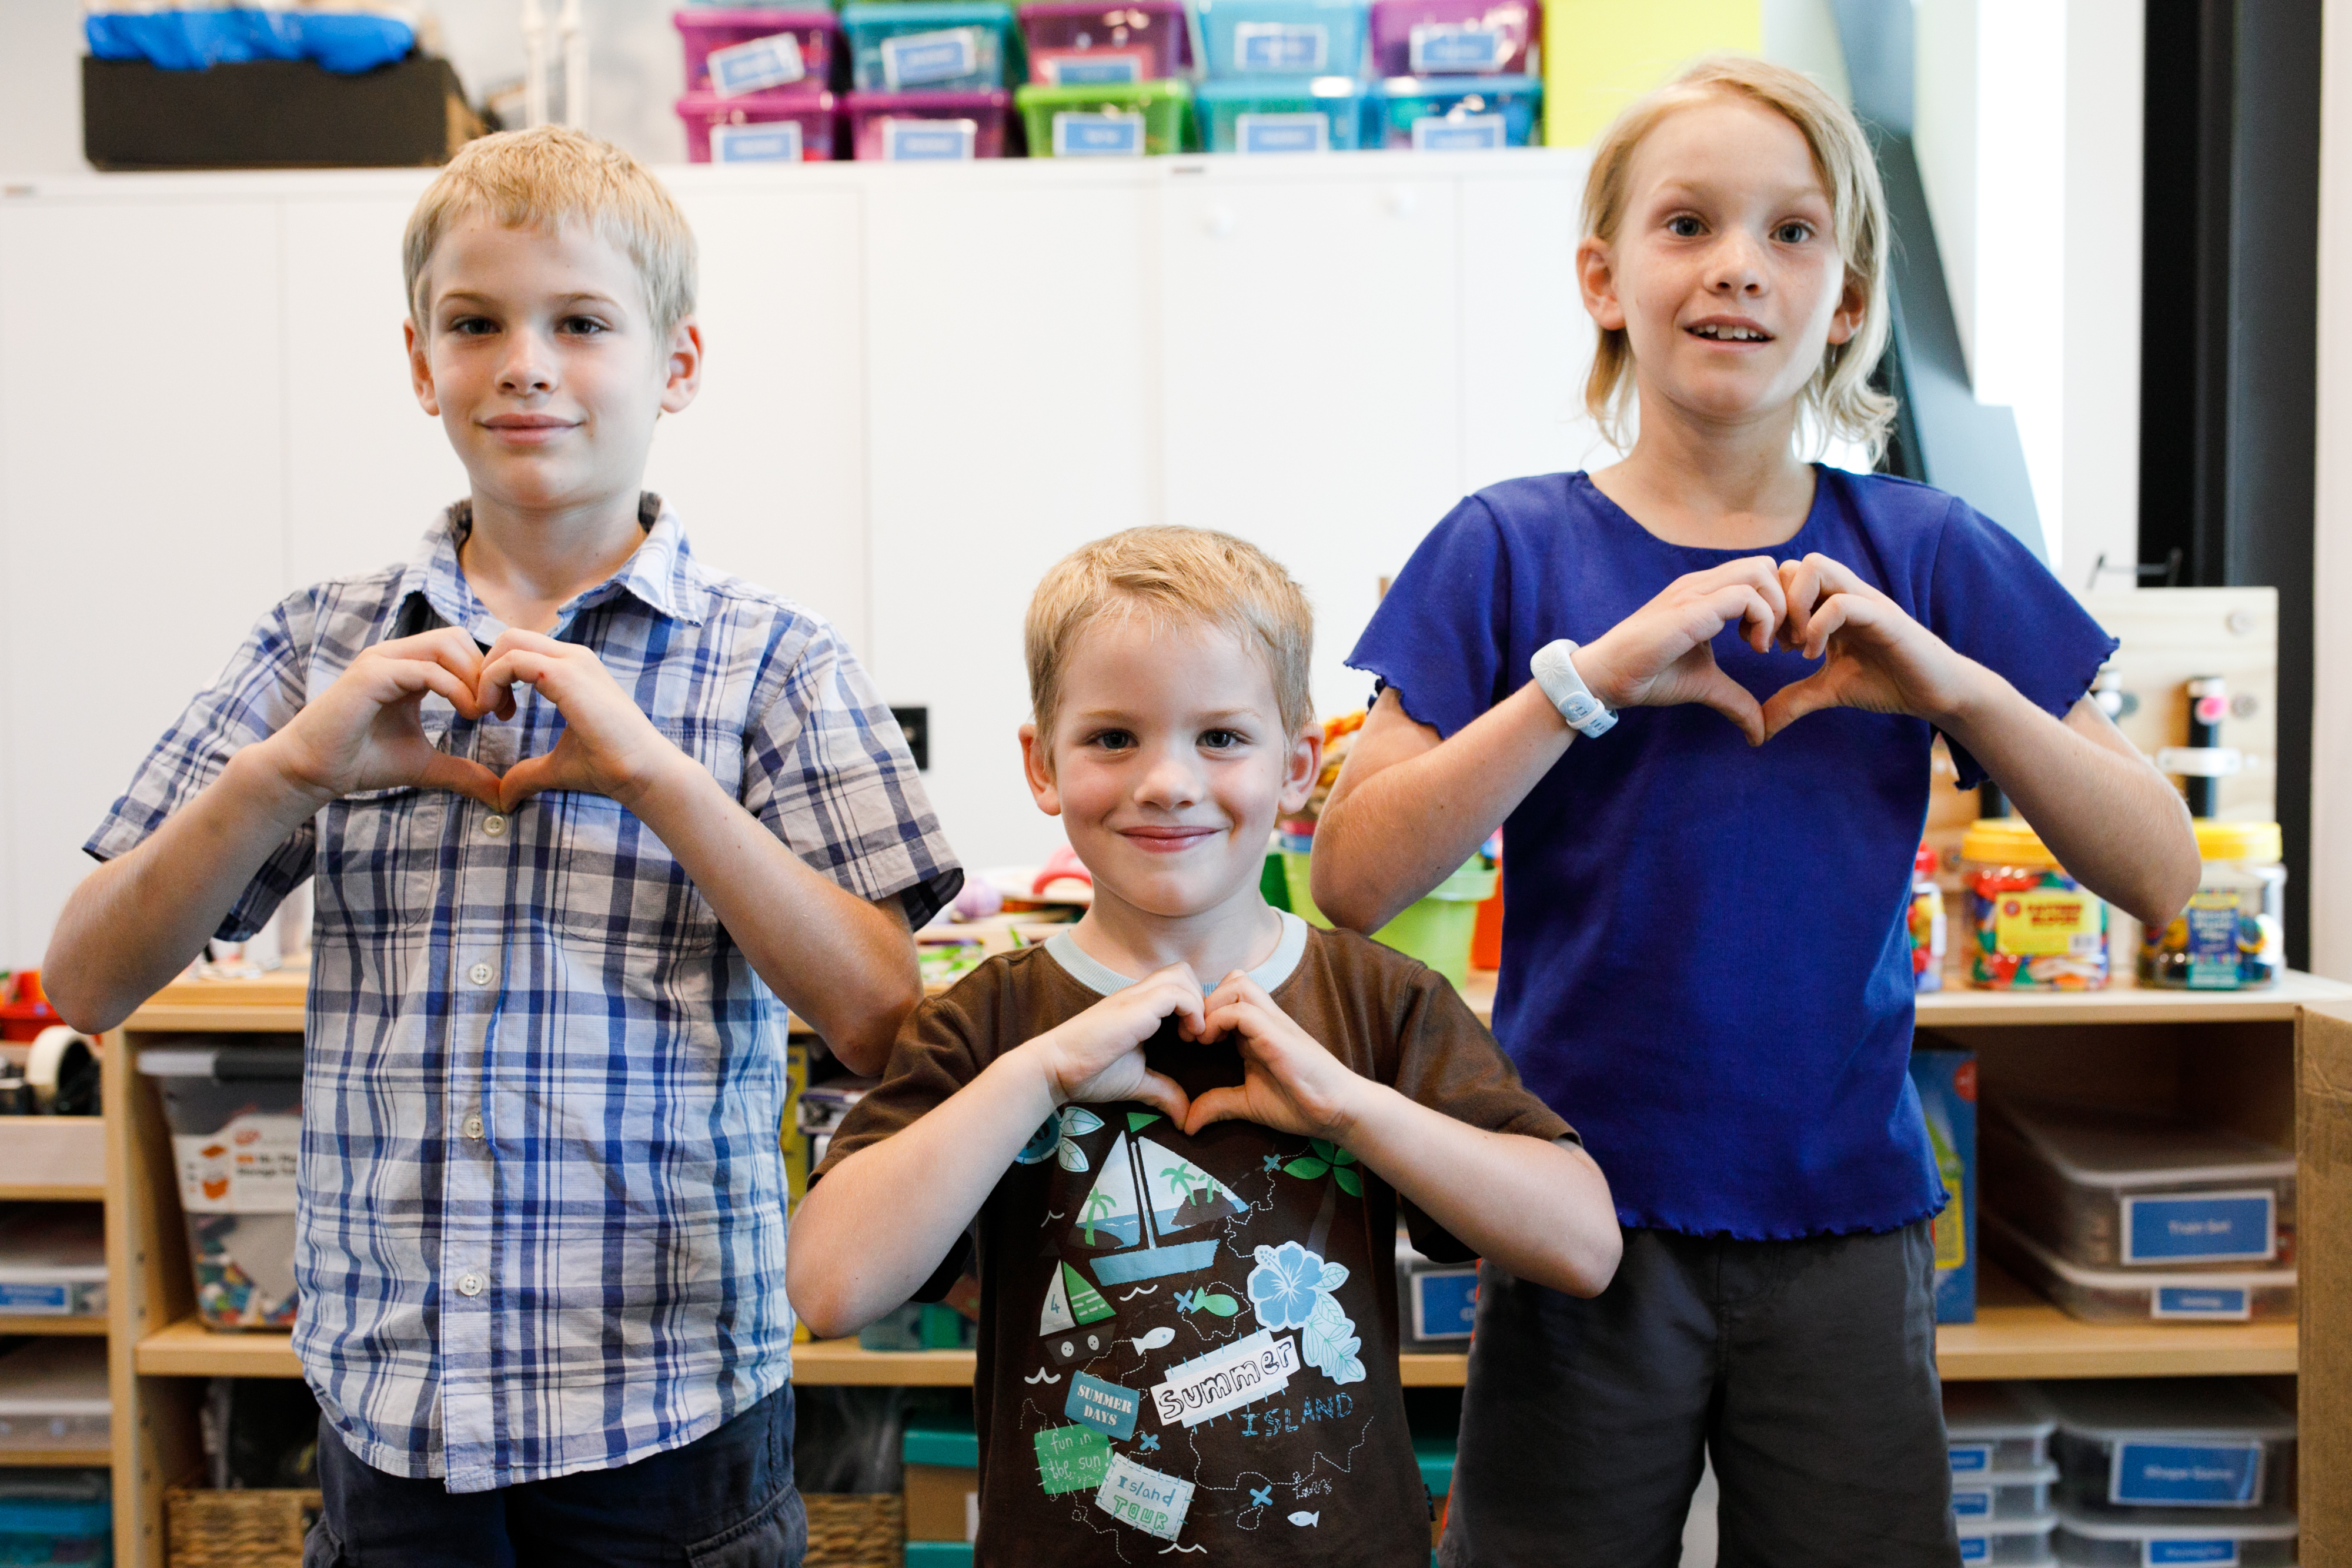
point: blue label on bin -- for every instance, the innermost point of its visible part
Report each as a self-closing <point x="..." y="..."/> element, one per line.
<point x="761" y="63"/>
<point x="1969" y="1459"/>
<point x="1976" y="1548"/>
<point x="2221" y="1553"/>
<point x="1112" y="70"/>
<point x="2186" y="1475"/>
<point x="1105" y="1406"/>
<point x="929" y="141"/>
<point x="29" y="1297"/>
<point x="1464" y="133"/>
<point x="2231" y="1302"/>
<point x="777" y="143"/>
<point x="1307" y="132"/>
<point x="1445" y="1304"/>
<point x="1293" y="49"/>
<point x="917" y="59"/>
<point x="1974" y="1502"/>
<point x="1079" y="133"/>
<point x="1468" y="49"/>
<point x="2209" y="1227"/>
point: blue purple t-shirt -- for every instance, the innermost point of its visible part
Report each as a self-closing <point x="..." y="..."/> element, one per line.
<point x="1705" y="964"/>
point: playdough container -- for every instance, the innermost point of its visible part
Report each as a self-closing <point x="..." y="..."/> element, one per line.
<point x="1994" y="1427"/>
<point x="927" y="127"/>
<point x="1457" y="114"/>
<point x="1281" y="114"/>
<point x="2233" y="936"/>
<point x="938" y="45"/>
<point x="1283" y="37"/>
<point x="760" y="128"/>
<point x="2214" y="1444"/>
<point x="2017" y="1541"/>
<point x="1141" y="118"/>
<point x="2134" y="1538"/>
<point x="731" y="52"/>
<point x="1089" y="43"/>
<point x="2032" y="928"/>
<point x="1927" y="924"/>
<point x="1453" y="38"/>
<point x="2112" y="1189"/>
<point x="236" y="1115"/>
<point x="1436" y="930"/>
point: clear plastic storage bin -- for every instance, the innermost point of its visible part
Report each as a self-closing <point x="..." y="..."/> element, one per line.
<point x="926" y="127"/>
<point x="2115" y="1296"/>
<point x="938" y="45"/>
<point x="2004" y="1494"/>
<point x="1996" y="1426"/>
<point x="763" y="128"/>
<point x="1276" y="114"/>
<point x="1151" y="119"/>
<point x="53" y="1396"/>
<point x="2205" y="1443"/>
<point x="53" y="1261"/>
<point x="2109" y="1189"/>
<point x="1457" y="114"/>
<point x="236" y="1115"/>
<point x="2139" y="1537"/>
<point x="2023" y="1541"/>
<point x="1283" y="37"/>
<point x="1091" y="43"/>
<point x="56" y="1517"/>
<point x="730" y="52"/>
<point x="1453" y="38"/>
<point x="2233" y="936"/>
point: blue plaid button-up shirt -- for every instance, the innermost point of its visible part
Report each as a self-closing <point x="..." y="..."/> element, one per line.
<point x="541" y="1206"/>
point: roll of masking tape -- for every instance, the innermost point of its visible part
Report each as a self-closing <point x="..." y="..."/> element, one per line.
<point x="48" y="1057"/>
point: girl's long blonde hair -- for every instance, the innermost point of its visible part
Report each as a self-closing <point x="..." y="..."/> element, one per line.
<point x="1839" y="400"/>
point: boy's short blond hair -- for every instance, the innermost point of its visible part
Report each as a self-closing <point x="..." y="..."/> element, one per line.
<point x="542" y="179"/>
<point x="1839" y="400"/>
<point x="1171" y="576"/>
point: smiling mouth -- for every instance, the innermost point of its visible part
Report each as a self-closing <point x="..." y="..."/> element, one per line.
<point x="1718" y="332"/>
<point x="1166" y="841"/>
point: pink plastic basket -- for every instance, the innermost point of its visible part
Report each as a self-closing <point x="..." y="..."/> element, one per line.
<point x="1453" y="38"/>
<point x="759" y="127"/>
<point x="926" y="126"/>
<point x="1073" y="43"/>
<point x="800" y="60"/>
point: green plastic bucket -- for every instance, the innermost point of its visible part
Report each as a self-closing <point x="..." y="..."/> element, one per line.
<point x="1436" y="930"/>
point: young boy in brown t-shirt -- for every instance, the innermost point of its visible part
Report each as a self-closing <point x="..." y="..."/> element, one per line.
<point x="1186" y="1198"/>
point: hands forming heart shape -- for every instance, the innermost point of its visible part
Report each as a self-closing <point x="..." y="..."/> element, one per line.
<point x="366" y="731"/>
<point x="1875" y="657"/>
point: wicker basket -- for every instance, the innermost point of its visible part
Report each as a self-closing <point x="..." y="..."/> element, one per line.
<point x="855" y="1530"/>
<point x="253" y="1529"/>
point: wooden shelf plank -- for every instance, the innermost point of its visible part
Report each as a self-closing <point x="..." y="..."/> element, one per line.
<point x="42" y="1323"/>
<point x="188" y="1349"/>
<point x="2019" y="1334"/>
<point x="52" y="1192"/>
<point x="77" y="1458"/>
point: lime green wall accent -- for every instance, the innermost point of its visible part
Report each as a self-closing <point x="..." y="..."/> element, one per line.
<point x="1599" y="55"/>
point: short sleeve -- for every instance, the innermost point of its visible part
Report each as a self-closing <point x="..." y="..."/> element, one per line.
<point x="257" y="694"/>
<point x="1440" y="635"/>
<point x="827" y="771"/>
<point x="1990" y="599"/>
<point x="934" y="1056"/>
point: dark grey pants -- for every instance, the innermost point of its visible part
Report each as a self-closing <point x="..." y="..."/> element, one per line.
<point x="1806" y="1369"/>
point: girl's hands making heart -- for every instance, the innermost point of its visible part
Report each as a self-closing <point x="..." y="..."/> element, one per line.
<point x="1659" y="657"/>
<point x="1879" y="659"/>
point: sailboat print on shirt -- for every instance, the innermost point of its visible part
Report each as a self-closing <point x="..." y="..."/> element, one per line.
<point x="1070" y="1304"/>
<point x="1180" y="1198"/>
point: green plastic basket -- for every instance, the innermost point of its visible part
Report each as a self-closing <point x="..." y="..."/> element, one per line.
<point x="1166" y="108"/>
<point x="1436" y="930"/>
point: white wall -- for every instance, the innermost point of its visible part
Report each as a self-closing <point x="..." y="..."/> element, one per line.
<point x="2105" y="72"/>
<point x="2331" y="730"/>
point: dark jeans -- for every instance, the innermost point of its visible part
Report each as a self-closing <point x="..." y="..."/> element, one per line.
<point x="724" y="1500"/>
<point x="1805" y="1369"/>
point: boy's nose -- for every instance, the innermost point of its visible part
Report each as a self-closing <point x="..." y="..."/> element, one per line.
<point x="528" y="368"/>
<point x="1168" y="782"/>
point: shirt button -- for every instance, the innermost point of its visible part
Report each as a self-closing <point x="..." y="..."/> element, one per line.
<point x="473" y="1126"/>
<point x="495" y="825"/>
<point x="469" y="1284"/>
<point x="479" y="974"/>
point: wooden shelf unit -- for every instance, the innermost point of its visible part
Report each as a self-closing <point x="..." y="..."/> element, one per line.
<point x="42" y="1323"/>
<point x="57" y="1459"/>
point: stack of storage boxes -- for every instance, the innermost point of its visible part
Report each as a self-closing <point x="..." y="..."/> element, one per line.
<point x="929" y="79"/>
<point x="758" y="85"/>
<point x="2001" y="1474"/>
<point x="1104" y="79"/>
<point x="1283" y="76"/>
<point x="2183" y="1471"/>
<point x="942" y="1488"/>
<point x="1457" y="75"/>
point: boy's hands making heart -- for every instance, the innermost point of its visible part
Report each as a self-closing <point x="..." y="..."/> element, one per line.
<point x="608" y="746"/>
<point x="365" y="732"/>
<point x="1098" y="1056"/>
<point x="1289" y="1082"/>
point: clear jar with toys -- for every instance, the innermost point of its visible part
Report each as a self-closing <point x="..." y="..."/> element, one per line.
<point x="2031" y="926"/>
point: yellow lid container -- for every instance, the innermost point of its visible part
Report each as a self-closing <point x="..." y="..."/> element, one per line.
<point x="2219" y="840"/>
<point x="2004" y="840"/>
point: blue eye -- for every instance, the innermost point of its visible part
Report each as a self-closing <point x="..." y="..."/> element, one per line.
<point x="1220" y="739"/>
<point x="1793" y="233"/>
<point x="1683" y="225"/>
<point x="1110" y="740"/>
<point x="583" y="326"/>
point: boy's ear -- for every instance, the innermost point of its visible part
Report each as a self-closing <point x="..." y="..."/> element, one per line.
<point x="1306" y="764"/>
<point x="1037" y="768"/>
<point x="420" y="368"/>
<point x="1597" y="279"/>
<point x="685" y="369"/>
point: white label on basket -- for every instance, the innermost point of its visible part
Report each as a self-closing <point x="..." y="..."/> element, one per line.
<point x="1086" y="133"/>
<point x="1464" y="133"/>
<point x="929" y="141"/>
<point x="1969" y="1459"/>
<point x="1972" y="1502"/>
<point x="2201" y="1228"/>
<point x="916" y="59"/>
<point x="751" y="67"/>
<point x="1094" y="68"/>
<point x="1468" y="48"/>
<point x="1307" y="132"/>
<point x="2219" y="1303"/>
<point x="1293" y="49"/>
<point x="246" y="1167"/>
<point x="2212" y="1553"/>
<point x="776" y="141"/>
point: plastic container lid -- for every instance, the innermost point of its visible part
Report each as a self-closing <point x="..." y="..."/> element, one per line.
<point x="1249" y="89"/>
<point x="2107" y="1409"/>
<point x="1990" y="1412"/>
<point x="2238" y="841"/>
<point x="712" y="18"/>
<point x="965" y="98"/>
<point x="2112" y="1149"/>
<point x="1457" y="87"/>
<point x="950" y="1448"/>
<point x="54" y="1377"/>
<point x="2178" y="1524"/>
<point x="227" y="1063"/>
<point x="1435" y="1458"/>
<point x="2032" y="1475"/>
<point x="2004" y="840"/>
<point x="54" y="1516"/>
<point x="946" y="13"/>
<point x="2033" y="1524"/>
<point x="2142" y="1279"/>
<point x="1085" y="94"/>
<point x="56" y="1242"/>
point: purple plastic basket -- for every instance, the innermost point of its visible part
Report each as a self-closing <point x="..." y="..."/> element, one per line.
<point x="816" y="39"/>
<point x="750" y="129"/>
<point x="1453" y="38"/>
<point x="928" y="125"/>
<point x="1073" y="43"/>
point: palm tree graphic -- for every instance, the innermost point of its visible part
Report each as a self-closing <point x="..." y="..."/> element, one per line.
<point x="1098" y="1203"/>
<point x="1182" y="1177"/>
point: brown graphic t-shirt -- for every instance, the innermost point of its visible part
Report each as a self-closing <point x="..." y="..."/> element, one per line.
<point x="1189" y="1344"/>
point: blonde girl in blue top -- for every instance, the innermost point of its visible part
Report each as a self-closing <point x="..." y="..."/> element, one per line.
<point x="1698" y="687"/>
